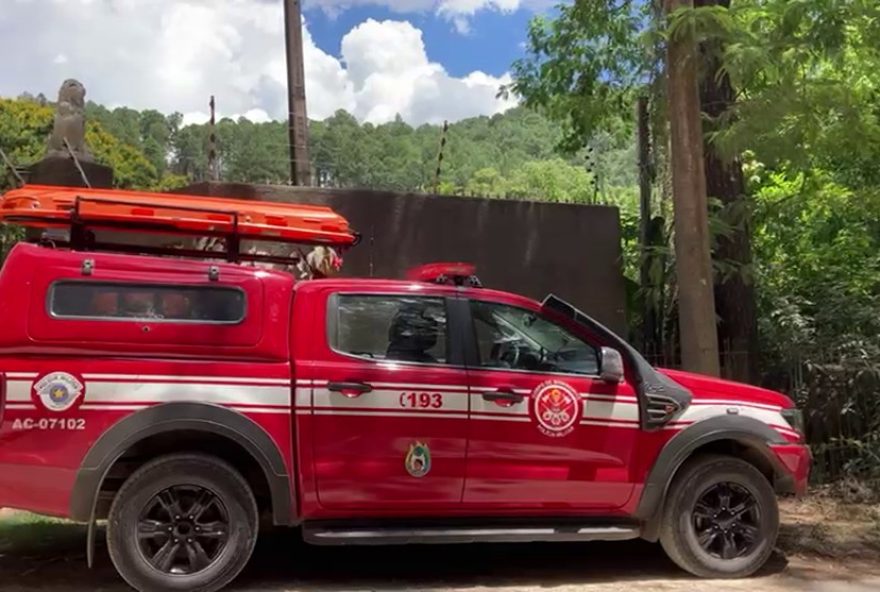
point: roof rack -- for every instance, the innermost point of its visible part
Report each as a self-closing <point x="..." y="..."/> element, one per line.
<point x="84" y="211"/>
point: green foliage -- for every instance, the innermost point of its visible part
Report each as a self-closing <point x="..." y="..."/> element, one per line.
<point x="807" y="120"/>
<point x="24" y="129"/>
<point x="585" y="65"/>
<point x="131" y="168"/>
<point x="808" y="73"/>
<point x="554" y="180"/>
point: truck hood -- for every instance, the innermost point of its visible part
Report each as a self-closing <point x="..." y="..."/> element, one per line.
<point x="708" y="388"/>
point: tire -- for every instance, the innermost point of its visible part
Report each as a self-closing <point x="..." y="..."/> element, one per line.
<point x="734" y="548"/>
<point x="142" y="525"/>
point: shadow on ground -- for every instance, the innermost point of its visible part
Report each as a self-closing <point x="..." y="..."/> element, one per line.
<point x="51" y="556"/>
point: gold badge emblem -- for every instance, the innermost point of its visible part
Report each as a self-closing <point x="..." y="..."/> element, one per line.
<point x="418" y="459"/>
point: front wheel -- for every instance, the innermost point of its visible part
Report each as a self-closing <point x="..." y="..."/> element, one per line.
<point x="720" y="518"/>
<point x="185" y="522"/>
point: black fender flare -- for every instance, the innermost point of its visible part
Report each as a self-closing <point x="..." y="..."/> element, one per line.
<point x="754" y="434"/>
<point x="171" y="417"/>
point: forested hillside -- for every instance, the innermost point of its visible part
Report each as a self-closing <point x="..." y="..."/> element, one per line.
<point x="511" y="155"/>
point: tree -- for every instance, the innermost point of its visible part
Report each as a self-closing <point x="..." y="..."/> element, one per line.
<point x="699" y="337"/>
<point x="734" y="287"/>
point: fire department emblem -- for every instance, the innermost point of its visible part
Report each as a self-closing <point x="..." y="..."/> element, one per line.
<point x="418" y="460"/>
<point x="557" y="408"/>
<point x="58" y="391"/>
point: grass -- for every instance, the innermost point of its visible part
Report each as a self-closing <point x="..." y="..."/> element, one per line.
<point x="27" y="534"/>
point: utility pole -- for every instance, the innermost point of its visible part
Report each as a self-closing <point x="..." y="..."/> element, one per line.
<point x="696" y="300"/>
<point x="443" y="132"/>
<point x="298" y="123"/>
<point x="213" y="165"/>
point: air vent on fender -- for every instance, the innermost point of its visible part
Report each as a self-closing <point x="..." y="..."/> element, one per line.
<point x="659" y="409"/>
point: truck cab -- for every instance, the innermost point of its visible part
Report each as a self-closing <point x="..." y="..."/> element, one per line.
<point x="183" y="401"/>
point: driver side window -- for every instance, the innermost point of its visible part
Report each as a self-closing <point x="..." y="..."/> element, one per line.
<point x="518" y="339"/>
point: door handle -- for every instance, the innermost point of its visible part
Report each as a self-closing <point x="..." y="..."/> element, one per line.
<point x="350" y="389"/>
<point x="504" y="397"/>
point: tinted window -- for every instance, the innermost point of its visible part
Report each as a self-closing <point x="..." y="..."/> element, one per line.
<point x="402" y="328"/>
<point x="147" y="302"/>
<point x="519" y="339"/>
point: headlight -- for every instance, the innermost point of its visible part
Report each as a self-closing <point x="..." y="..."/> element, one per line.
<point x="795" y="418"/>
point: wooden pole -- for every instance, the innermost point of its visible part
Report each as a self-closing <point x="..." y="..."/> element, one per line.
<point x="213" y="164"/>
<point x="645" y="178"/>
<point x="440" y="156"/>
<point x="298" y="123"/>
<point x="696" y="303"/>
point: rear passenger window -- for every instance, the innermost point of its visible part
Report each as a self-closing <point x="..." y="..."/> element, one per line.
<point x="400" y="328"/>
<point x="116" y="301"/>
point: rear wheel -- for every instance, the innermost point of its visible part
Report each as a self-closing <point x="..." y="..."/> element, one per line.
<point x="182" y="522"/>
<point x="720" y="518"/>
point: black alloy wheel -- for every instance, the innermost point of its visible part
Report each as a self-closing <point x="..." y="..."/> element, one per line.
<point x="720" y="517"/>
<point x="727" y="520"/>
<point x="183" y="530"/>
<point x="185" y="522"/>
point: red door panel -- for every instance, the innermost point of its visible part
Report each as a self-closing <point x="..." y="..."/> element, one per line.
<point x="380" y="390"/>
<point x="515" y="461"/>
<point x="539" y="438"/>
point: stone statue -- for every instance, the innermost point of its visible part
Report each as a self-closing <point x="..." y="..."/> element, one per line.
<point x="70" y="123"/>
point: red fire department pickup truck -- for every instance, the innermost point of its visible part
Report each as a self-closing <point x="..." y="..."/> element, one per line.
<point x="184" y="400"/>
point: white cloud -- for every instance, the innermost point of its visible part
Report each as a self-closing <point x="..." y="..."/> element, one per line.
<point x="173" y="56"/>
<point x="456" y="11"/>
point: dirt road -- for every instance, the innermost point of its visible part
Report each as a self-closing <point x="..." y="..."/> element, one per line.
<point x="50" y="558"/>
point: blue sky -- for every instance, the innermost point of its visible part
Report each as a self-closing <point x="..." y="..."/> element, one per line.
<point x="495" y="39"/>
<point x="425" y="60"/>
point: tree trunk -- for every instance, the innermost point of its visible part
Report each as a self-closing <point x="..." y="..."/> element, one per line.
<point x="699" y="338"/>
<point x="735" y="294"/>
<point x="649" y="308"/>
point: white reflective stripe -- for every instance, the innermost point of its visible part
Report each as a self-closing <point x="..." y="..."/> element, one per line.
<point x="86" y="407"/>
<point x="303" y="397"/>
<point x="303" y="411"/>
<point x="266" y="410"/>
<point x="91" y="407"/>
<point x="304" y="382"/>
<point x="411" y="415"/>
<point x="787" y="431"/>
<point x="608" y="424"/>
<point x="388" y="399"/>
<point x="420" y="387"/>
<point x="185" y="378"/>
<point x="501" y="418"/>
<point x="612" y="398"/>
<point x="696" y="413"/>
<point x="599" y="410"/>
<point x="17" y="390"/>
<point x="12" y="375"/>
<point x="479" y="404"/>
<point x="703" y="402"/>
<point x="157" y="392"/>
<point x="20" y="406"/>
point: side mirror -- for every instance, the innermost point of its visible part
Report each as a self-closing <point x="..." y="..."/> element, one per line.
<point x="612" y="366"/>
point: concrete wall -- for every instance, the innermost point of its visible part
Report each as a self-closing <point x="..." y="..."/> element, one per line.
<point x="531" y="248"/>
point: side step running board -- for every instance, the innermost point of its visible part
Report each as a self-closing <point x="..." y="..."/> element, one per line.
<point x="323" y="535"/>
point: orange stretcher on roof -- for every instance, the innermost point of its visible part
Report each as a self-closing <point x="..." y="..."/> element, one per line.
<point x="52" y="207"/>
